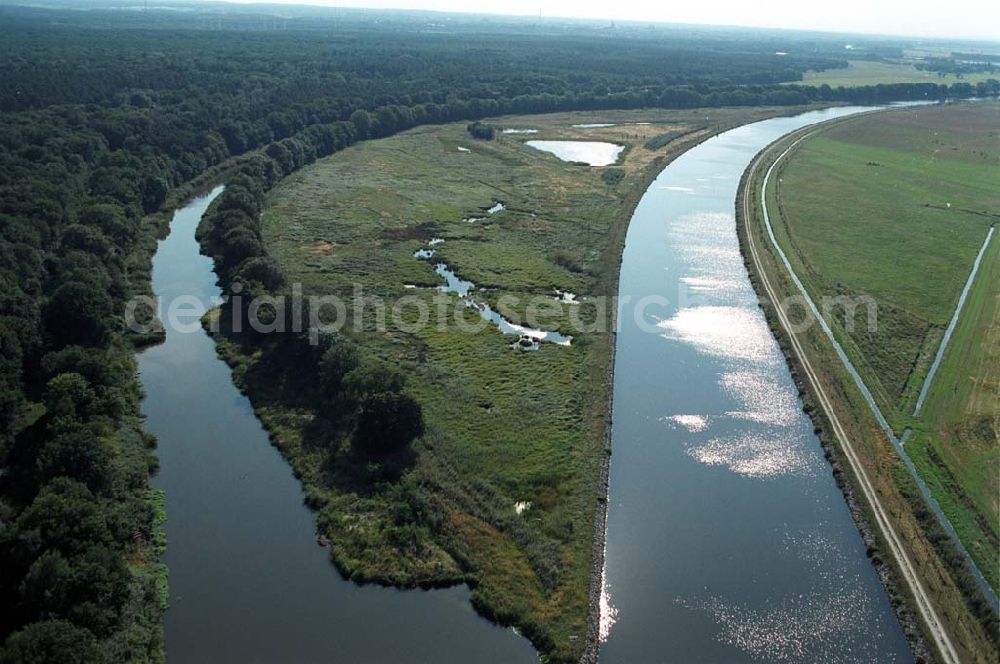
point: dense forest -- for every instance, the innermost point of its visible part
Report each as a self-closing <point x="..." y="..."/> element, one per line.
<point x="106" y="117"/>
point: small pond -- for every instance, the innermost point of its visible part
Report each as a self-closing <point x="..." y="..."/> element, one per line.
<point x="592" y="153"/>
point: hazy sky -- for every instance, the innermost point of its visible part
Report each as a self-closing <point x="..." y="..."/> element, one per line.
<point x="955" y="18"/>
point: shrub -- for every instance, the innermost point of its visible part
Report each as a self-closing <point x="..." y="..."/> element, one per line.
<point x="51" y="641"/>
<point x="371" y="376"/>
<point x="612" y="176"/>
<point x="340" y="359"/>
<point x="388" y="421"/>
<point x="78" y="454"/>
<point x="482" y="131"/>
<point x="660" y="140"/>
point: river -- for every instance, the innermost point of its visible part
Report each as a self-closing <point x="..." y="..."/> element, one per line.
<point x="248" y="583"/>
<point x="727" y="538"/>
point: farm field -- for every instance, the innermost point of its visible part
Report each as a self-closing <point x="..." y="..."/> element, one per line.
<point x="871" y="72"/>
<point x="894" y="207"/>
<point x="506" y="479"/>
<point x="954" y="442"/>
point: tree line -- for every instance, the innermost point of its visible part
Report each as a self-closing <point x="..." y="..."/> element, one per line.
<point x="358" y="395"/>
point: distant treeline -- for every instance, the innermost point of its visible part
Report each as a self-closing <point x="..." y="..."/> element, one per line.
<point x="98" y="126"/>
<point x="961" y="66"/>
<point x="977" y="57"/>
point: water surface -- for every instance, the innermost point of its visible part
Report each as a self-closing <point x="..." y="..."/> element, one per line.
<point x="728" y="540"/>
<point x="248" y="582"/>
<point x="592" y="153"/>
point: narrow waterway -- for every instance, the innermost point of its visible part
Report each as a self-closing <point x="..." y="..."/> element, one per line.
<point x="528" y="338"/>
<point x="727" y="537"/>
<point x="248" y="583"/>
